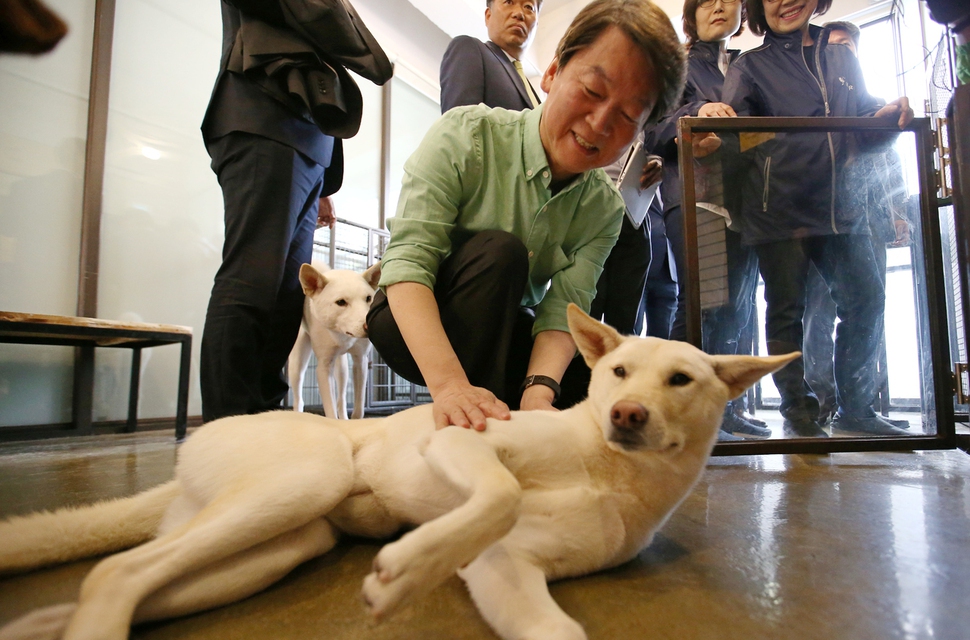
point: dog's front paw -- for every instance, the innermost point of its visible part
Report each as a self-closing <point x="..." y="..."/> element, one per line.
<point x="400" y="573"/>
<point x="48" y="623"/>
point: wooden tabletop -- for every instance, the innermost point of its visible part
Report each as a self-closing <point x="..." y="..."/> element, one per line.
<point x="37" y="320"/>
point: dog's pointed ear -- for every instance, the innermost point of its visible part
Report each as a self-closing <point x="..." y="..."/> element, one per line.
<point x="740" y="372"/>
<point x="593" y="338"/>
<point x="373" y="274"/>
<point x="311" y="279"/>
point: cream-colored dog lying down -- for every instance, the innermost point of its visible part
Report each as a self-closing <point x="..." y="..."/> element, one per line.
<point x="542" y="496"/>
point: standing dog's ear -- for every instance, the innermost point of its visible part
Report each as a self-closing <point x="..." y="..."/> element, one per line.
<point x="373" y="274"/>
<point x="593" y="338"/>
<point x="311" y="280"/>
<point x="740" y="372"/>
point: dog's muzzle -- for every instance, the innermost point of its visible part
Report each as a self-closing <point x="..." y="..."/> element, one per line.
<point x="629" y="419"/>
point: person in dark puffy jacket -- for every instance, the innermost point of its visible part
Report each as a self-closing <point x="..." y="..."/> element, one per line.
<point x="797" y="209"/>
<point x="709" y="26"/>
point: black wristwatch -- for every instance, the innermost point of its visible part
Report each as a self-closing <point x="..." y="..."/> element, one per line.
<point x="545" y="381"/>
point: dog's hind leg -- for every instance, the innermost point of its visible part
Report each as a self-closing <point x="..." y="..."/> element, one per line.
<point x="258" y="482"/>
<point x="512" y="595"/>
<point x="240" y="575"/>
<point x="296" y="366"/>
<point x="425" y="557"/>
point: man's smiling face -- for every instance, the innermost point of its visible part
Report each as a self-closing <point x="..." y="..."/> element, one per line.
<point x="596" y="104"/>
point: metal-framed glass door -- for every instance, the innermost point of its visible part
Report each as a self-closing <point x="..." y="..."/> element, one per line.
<point x="859" y="221"/>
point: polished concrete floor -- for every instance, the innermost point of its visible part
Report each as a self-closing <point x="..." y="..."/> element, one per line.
<point x="845" y="546"/>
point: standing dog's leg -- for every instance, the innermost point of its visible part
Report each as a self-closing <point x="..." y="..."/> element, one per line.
<point x="340" y="386"/>
<point x="425" y="557"/>
<point x="296" y="366"/>
<point x="361" y="355"/>
<point x="325" y="372"/>
<point x="512" y="595"/>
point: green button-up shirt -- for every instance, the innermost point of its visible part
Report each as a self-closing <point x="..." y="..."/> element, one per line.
<point x="479" y="169"/>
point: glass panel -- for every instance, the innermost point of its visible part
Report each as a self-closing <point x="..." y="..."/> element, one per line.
<point x="162" y="229"/>
<point x="789" y="263"/>
<point x="43" y="129"/>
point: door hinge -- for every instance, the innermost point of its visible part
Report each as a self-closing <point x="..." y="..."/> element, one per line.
<point x="959" y="371"/>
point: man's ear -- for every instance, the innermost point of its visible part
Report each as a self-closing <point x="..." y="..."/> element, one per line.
<point x="546" y="81"/>
<point x="311" y="280"/>
<point x="593" y="338"/>
<point x="740" y="372"/>
<point x="373" y="274"/>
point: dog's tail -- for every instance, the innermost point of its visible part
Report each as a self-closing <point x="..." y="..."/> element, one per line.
<point x="52" y="537"/>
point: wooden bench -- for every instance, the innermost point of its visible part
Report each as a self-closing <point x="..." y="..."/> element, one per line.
<point x="88" y="333"/>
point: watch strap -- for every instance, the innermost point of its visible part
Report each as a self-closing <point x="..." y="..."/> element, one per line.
<point x="545" y="381"/>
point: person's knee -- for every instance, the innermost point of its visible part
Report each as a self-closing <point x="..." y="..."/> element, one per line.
<point x="503" y="250"/>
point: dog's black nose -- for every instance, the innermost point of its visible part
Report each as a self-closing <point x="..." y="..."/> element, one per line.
<point x="629" y="415"/>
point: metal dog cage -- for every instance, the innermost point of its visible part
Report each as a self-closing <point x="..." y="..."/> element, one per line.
<point x="356" y="247"/>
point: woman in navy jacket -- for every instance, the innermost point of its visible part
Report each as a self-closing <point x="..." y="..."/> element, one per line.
<point x="709" y="26"/>
<point x="796" y="209"/>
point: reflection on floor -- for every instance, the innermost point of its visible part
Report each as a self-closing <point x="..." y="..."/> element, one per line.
<point x="839" y="546"/>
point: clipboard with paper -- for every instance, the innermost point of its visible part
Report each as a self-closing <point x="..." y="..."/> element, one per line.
<point x="637" y="200"/>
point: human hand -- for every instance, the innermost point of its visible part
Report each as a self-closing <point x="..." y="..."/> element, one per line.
<point x="538" y="397"/>
<point x="463" y="405"/>
<point x="716" y="110"/>
<point x="903" y="237"/>
<point x="326" y="214"/>
<point x="652" y="171"/>
<point x="704" y="144"/>
<point x="900" y="106"/>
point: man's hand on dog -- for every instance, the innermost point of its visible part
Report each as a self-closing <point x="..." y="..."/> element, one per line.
<point x="463" y="405"/>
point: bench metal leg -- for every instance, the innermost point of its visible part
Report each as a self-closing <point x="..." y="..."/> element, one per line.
<point x="83" y="401"/>
<point x="133" y="391"/>
<point x="182" y="406"/>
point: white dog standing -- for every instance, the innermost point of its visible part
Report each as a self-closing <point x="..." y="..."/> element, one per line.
<point x="542" y="496"/>
<point x="334" y="325"/>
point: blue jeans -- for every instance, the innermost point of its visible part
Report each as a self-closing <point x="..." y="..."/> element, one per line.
<point x="848" y="267"/>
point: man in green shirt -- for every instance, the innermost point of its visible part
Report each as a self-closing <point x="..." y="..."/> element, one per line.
<point x="505" y="213"/>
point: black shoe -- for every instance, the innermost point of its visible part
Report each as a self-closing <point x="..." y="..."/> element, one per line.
<point x="871" y="425"/>
<point x="741" y="427"/>
<point x="724" y="436"/>
<point x="737" y="407"/>
<point x="902" y="424"/>
<point x="803" y="428"/>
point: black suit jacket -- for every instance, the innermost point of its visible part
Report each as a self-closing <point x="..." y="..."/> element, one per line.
<point x="238" y="103"/>
<point x="475" y="72"/>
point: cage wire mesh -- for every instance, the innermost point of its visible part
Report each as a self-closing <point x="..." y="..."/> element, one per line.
<point x="356" y="247"/>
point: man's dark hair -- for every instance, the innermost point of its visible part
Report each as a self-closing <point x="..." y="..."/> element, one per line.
<point x="848" y="27"/>
<point x="650" y="30"/>
<point x="756" y="15"/>
<point x="690" y="20"/>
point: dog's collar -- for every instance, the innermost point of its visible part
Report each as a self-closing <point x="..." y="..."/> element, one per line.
<point x="546" y="381"/>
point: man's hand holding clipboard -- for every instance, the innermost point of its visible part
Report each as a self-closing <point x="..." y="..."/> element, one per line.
<point x="638" y="182"/>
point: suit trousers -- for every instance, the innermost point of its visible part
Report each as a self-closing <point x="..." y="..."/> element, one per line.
<point x="479" y="289"/>
<point x="619" y="291"/>
<point x="271" y="194"/>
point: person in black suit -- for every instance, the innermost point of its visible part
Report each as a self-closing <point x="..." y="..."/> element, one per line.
<point x="490" y="73"/>
<point x="274" y="160"/>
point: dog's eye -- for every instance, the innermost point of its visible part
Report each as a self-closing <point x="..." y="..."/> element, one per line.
<point x="679" y="380"/>
<point x="341" y="303"/>
<point x="368" y="299"/>
<point x="620" y="372"/>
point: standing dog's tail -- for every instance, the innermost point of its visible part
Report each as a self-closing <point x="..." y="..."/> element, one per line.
<point x="51" y="537"/>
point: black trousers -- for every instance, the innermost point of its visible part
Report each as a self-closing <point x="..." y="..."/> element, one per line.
<point x="849" y="270"/>
<point x="478" y="289"/>
<point x="271" y="195"/>
<point x="620" y="289"/>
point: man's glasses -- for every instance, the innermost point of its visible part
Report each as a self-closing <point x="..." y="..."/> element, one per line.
<point x="707" y="4"/>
